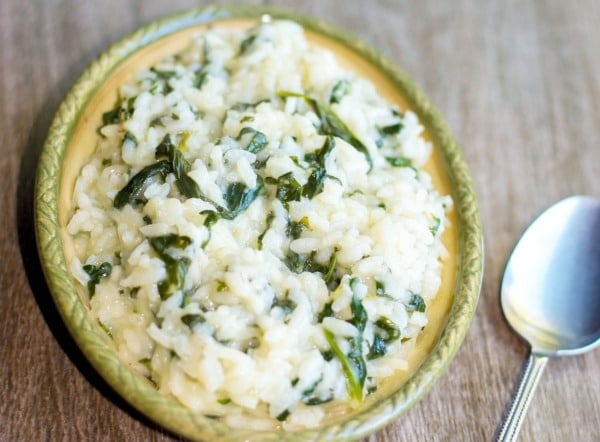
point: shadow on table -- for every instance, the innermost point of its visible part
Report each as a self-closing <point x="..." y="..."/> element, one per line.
<point x="32" y="263"/>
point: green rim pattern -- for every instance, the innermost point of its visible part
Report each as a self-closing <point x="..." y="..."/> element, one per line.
<point x="94" y="342"/>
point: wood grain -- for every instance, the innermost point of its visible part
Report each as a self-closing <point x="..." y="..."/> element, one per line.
<point x="519" y="84"/>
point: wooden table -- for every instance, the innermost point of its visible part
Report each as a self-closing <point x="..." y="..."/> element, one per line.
<point x="519" y="84"/>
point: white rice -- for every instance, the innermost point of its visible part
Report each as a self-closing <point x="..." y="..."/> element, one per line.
<point x="244" y="335"/>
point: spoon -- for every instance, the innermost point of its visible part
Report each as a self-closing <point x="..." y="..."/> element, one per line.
<point x="551" y="292"/>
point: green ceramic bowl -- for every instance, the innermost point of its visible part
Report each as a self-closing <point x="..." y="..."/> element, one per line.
<point x="72" y="138"/>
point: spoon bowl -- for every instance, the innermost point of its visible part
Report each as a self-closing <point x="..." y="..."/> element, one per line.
<point x="550" y="292"/>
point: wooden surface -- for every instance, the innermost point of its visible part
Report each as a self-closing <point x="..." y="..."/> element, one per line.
<point x="519" y="84"/>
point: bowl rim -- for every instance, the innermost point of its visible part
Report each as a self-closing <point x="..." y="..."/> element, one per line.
<point x="96" y="347"/>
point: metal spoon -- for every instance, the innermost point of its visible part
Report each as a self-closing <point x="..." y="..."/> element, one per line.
<point x="550" y="292"/>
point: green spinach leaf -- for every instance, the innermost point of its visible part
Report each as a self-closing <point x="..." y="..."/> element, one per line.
<point x="436" y="225"/>
<point x="391" y="330"/>
<point x="354" y="367"/>
<point x="176" y="267"/>
<point x="315" y="183"/>
<point x="239" y="197"/>
<point x="331" y="124"/>
<point x="180" y="167"/>
<point x="288" y="188"/>
<point x="96" y="273"/>
<point x="193" y="319"/>
<point x="268" y="222"/>
<point x="378" y="348"/>
<point x="399" y="161"/>
<point x="392" y="129"/>
<point x="338" y="92"/>
<point x="258" y="141"/>
<point x="123" y="111"/>
<point x="246" y="43"/>
<point x="416" y="303"/>
<point x="318" y="157"/>
<point x="133" y="192"/>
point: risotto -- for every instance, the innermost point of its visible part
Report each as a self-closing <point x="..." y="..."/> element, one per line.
<point x="255" y="231"/>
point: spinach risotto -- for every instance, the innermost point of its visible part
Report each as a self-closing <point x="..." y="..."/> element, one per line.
<point x="255" y="230"/>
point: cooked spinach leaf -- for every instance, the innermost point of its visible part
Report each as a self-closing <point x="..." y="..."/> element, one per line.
<point x="133" y="192"/>
<point x="326" y="312"/>
<point x="211" y="218"/>
<point x="331" y="124"/>
<point x="242" y="106"/>
<point x="239" y="197"/>
<point x="318" y="400"/>
<point x="111" y="116"/>
<point x="299" y="262"/>
<point x="359" y="314"/>
<point x="283" y="415"/>
<point x="180" y="167"/>
<point x="392" y="129"/>
<point x="260" y="164"/>
<point x="193" y="319"/>
<point x="258" y="141"/>
<point x="176" y="267"/>
<point x="378" y="348"/>
<point x="188" y="187"/>
<point x="353" y="363"/>
<point x="315" y="183"/>
<point x="95" y="273"/>
<point x="309" y="398"/>
<point x="285" y="304"/>
<point x="176" y="271"/>
<point x="162" y="80"/>
<point x="353" y="366"/>
<point x="436" y="225"/>
<point x="390" y="334"/>
<point x="391" y="330"/>
<point x="338" y="92"/>
<point x="311" y="389"/>
<point x="380" y="290"/>
<point x="161" y="244"/>
<point x="163" y="74"/>
<point x="399" y="161"/>
<point x="331" y="267"/>
<point x="165" y="148"/>
<point x="416" y="303"/>
<point x="327" y="355"/>
<point x="371" y="389"/>
<point x="246" y="43"/>
<point x="288" y="188"/>
<point x="119" y="113"/>
<point x="318" y="157"/>
<point x="268" y="222"/>
<point x="199" y="78"/>
<point x="295" y="228"/>
<point x="156" y="122"/>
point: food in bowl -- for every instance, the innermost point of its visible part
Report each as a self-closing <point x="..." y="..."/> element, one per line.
<point x="255" y="230"/>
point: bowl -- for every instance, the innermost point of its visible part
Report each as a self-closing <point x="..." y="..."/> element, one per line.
<point x="72" y="138"/>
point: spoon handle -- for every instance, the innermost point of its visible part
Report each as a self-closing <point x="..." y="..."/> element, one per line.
<point x="531" y="376"/>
